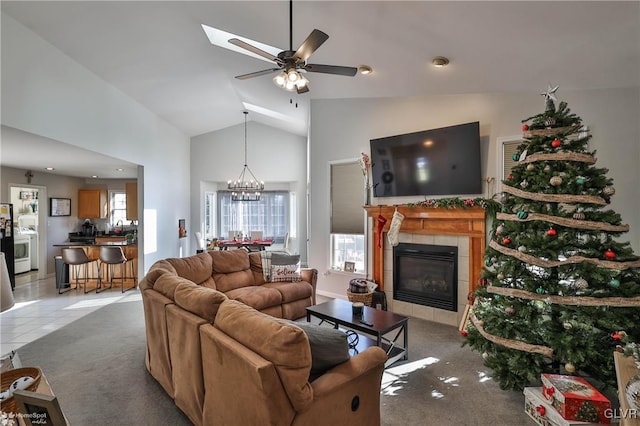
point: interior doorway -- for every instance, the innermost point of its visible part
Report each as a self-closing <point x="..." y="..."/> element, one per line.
<point x="29" y="221"/>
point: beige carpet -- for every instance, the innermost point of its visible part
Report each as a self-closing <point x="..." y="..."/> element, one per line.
<point x="96" y="368"/>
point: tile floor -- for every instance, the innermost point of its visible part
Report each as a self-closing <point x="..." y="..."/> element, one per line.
<point x="39" y="309"/>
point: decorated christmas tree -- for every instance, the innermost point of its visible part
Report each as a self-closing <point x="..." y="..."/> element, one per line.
<point x="559" y="290"/>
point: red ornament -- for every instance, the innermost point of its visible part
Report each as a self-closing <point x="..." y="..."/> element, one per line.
<point x="525" y="127"/>
<point x="510" y="177"/>
<point x="541" y="410"/>
<point x="616" y="336"/>
<point x="552" y="232"/>
<point x="483" y="281"/>
<point x="464" y="333"/>
<point x="556" y="143"/>
<point x="609" y="254"/>
<point x="506" y="241"/>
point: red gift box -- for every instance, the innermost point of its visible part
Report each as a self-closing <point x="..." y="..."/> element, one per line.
<point x="576" y="399"/>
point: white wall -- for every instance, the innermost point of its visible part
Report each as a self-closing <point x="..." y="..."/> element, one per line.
<point x="342" y="129"/>
<point x="47" y="93"/>
<point x="276" y="157"/>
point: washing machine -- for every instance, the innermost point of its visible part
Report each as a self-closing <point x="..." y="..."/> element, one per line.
<point x="22" y="253"/>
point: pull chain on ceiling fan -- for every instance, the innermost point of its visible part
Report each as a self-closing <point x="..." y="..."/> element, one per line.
<point x="290" y="63"/>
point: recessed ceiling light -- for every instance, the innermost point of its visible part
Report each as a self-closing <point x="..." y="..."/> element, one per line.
<point x="94" y="176"/>
<point x="49" y="168"/>
<point x="119" y="169"/>
<point x="365" y="69"/>
<point x="440" y="61"/>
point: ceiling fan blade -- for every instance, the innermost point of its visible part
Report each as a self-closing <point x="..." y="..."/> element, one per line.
<point x="331" y="69"/>
<point x="303" y="89"/>
<point x="257" y="73"/>
<point x="221" y="38"/>
<point x="255" y="50"/>
<point x="313" y="41"/>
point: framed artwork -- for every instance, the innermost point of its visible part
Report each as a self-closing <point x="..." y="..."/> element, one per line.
<point x="25" y="195"/>
<point x="39" y="408"/>
<point x="349" y="266"/>
<point x="182" y="231"/>
<point x="59" y="206"/>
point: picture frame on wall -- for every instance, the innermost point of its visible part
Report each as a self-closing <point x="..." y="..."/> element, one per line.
<point x="39" y="409"/>
<point x="349" y="266"/>
<point x="59" y="207"/>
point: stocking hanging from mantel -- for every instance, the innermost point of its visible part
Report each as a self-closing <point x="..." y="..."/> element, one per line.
<point x="381" y="222"/>
<point x="394" y="228"/>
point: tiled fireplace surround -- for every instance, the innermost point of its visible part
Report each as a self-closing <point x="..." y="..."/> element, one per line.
<point x="460" y="227"/>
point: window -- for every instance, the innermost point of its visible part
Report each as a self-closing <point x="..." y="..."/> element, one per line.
<point x="118" y="208"/>
<point x="347" y="215"/>
<point x="269" y="215"/>
<point x="209" y="206"/>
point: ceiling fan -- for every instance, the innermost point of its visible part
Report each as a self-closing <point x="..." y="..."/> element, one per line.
<point x="292" y="64"/>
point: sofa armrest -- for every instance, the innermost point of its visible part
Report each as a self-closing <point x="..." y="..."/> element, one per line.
<point x="370" y="360"/>
<point x="349" y="393"/>
<point x="310" y="275"/>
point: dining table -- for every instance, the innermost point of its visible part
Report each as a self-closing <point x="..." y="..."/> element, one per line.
<point x="251" y="245"/>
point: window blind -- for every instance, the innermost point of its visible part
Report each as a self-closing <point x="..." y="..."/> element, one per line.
<point x="508" y="149"/>
<point x="347" y="198"/>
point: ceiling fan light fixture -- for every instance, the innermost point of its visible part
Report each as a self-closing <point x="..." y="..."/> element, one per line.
<point x="293" y="75"/>
<point x="440" y="61"/>
<point x="280" y="79"/>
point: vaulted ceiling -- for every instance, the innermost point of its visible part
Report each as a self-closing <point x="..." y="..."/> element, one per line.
<point x="158" y="54"/>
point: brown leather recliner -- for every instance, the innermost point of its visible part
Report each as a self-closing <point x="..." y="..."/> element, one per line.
<point x="257" y="372"/>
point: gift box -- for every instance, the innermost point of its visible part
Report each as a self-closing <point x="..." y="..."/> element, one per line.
<point x="543" y="413"/>
<point x="576" y="399"/>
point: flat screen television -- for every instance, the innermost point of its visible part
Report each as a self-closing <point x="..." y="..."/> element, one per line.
<point x="444" y="161"/>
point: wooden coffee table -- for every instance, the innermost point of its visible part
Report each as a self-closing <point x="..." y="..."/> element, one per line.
<point x="338" y="313"/>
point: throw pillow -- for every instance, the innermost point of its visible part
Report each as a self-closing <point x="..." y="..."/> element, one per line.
<point x="285" y="259"/>
<point x="284" y="273"/>
<point x="329" y="346"/>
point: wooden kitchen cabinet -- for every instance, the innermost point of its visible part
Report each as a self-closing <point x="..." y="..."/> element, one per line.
<point x="93" y="204"/>
<point x="131" y="191"/>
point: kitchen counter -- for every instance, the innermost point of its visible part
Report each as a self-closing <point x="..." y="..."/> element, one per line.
<point x="96" y="244"/>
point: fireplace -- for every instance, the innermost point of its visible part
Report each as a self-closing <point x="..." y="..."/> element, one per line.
<point x="426" y="275"/>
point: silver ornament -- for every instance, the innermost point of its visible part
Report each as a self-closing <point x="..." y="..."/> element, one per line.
<point x="555" y="181"/>
<point x="522" y="249"/>
<point x="530" y="167"/>
<point x="499" y="229"/>
<point x="579" y="216"/>
<point x="509" y="310"/>
<point x="549" y="121"/>
<point x="547" y="168"/>
<point x="609" y="190"/>
<point x="524" y="184"/>
<point x="581" y="284"/>
<point x="500" y="276"/>
<point x="567" y="325"/>
<point x="570" y="368"/>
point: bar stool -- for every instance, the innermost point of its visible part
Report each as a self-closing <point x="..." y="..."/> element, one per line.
<point x="78" y="260"/>
<point x="114" y="256"/>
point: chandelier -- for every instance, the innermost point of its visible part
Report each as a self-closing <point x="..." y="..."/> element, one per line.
<point x="247" y="187"/>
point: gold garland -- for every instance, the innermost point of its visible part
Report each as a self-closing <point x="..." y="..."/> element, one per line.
<point x="509" y="343"/>
<point x="619" y="302"/>
<point x="528" y="134"/>
<point x="560" y="156"/>
<point x="554" y="198"/>
<point x="563" y="221"/>
<point x="620" y="266"/>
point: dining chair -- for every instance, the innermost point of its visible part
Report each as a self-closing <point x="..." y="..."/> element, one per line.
<point x="255" y="235"/>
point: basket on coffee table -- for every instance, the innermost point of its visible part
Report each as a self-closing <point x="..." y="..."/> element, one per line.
<point x="365" y="298"/>
<point x="8" y="377"/>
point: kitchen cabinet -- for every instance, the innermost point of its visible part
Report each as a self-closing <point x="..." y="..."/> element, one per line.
<point x="93" y="204"/>
<point x="131" y="192"/>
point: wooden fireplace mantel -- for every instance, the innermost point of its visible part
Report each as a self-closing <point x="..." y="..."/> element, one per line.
<point x="468" y="222"/>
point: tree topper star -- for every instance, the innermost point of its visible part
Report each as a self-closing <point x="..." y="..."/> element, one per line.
<point x="550" y="93"/>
